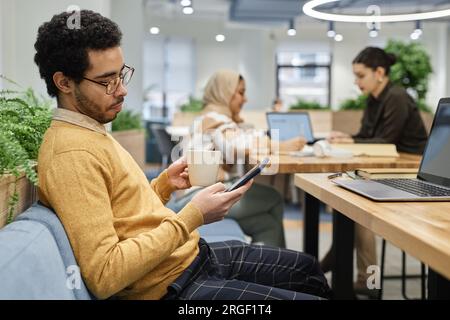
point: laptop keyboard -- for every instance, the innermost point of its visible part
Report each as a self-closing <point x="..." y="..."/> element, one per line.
<point x="417" y="187"/>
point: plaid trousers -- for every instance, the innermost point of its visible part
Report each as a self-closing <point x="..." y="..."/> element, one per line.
<point x="233" y="270"/>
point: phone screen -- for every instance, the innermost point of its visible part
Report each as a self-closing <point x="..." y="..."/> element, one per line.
<point x="249" y="175"/>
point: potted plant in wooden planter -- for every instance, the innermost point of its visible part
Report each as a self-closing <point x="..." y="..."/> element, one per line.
<point x="23" y="121"/>
<point x="127" y="129"/>
<point x="188" y="112"/>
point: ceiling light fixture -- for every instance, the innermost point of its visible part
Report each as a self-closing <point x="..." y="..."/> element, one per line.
<point x="309" y="9"/>
<point x="338" y="37"/>
<point x="373" y="33"/>
<point x="185" y="3"/>
<point x="418" y="29"/>
<point x="331" y="33"/>
<point x="414" y="36"/>
<point x="291" y="31"/>
<point x="417" y="33"/>
<point x="188" y="10"/>
<point x="154" y="30"/>
<point x="220" y="38"/>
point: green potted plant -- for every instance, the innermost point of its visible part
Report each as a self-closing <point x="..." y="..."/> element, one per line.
<point x="307" y="105"/>
<point x="193" y="105"/>
<point x="412" y="69"/>
<point x="359" y="103"/>
<point x="24" y="118"/>
<point x="187" y="112"/>
<point x="127" y="129"/>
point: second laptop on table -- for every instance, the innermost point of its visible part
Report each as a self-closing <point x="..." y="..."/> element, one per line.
<point x="433" y="179"/>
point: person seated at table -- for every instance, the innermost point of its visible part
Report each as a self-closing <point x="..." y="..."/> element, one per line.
<point x="391" y="116"/>
<point x="277" y="105"/>
<point x="220" y="127"/>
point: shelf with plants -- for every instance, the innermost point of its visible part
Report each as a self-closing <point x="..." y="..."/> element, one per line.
<point x="193" y="105"/>
<point x="24" y="118"/>
<point x="301" y="105"/>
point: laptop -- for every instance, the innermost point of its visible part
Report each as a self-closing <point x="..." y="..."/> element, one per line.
<point x="291" y="125"/>
<point x="433" y="179"/>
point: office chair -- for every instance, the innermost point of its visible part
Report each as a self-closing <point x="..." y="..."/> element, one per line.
<point x="403" y="276"/>
<point x="163" y="142"/>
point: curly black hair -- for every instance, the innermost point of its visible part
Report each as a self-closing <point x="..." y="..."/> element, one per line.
<point x="61" y="47"/>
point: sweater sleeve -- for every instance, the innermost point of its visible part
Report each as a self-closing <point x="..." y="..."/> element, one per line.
<point x="78" y="187"/>
<point x="162" y="187"/>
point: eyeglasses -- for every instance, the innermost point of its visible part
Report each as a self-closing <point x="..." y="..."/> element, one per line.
<point x="346" y="174"/>
<point x="111" y="86"/>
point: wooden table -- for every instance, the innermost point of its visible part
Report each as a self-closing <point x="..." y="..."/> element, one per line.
<point x="291" y="164"/>
<point x="422" y="229"/>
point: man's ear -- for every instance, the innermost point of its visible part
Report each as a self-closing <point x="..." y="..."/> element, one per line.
<point x="63" y="83"/>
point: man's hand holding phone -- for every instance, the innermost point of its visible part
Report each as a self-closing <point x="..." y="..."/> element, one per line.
<point x="250" y="175"/>
<point x="214" y="202"/>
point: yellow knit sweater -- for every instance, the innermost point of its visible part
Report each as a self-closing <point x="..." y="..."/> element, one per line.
<point x="125" y="241"/>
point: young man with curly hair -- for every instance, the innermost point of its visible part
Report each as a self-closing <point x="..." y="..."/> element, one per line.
<point x="126" y="242"/>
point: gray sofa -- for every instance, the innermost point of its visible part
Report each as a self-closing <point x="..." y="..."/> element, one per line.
<point x="37" y="262"/>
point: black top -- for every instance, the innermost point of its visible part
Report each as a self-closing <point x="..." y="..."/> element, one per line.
<point x="393" y="117"/>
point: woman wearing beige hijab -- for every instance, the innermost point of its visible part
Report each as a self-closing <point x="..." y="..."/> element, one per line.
<point x="260" y="211"/>
<point x="223" y="100"/>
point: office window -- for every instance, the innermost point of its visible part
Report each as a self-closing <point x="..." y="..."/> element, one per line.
<point x="303" y="76"/>
<point x="169" y="77"/>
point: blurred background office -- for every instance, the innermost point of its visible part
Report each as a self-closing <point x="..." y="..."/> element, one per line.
<point x="175" y="46"/>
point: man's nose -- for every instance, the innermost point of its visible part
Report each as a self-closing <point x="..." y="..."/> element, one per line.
<point x="121" y="91"/>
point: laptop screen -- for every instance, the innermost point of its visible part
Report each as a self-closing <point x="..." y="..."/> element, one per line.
<point x="291" y="125"/>
<point x="435" y="165"/>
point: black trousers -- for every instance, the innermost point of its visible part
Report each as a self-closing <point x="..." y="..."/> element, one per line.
<point x="233" y="270"/>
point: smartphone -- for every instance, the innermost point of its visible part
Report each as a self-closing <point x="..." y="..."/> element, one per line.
<point x="249" y="175"/>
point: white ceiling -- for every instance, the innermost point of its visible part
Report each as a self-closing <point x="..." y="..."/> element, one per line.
<point x="281" y="11"/>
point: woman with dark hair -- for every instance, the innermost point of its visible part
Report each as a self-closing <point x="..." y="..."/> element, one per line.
<point x="391" y="116"/>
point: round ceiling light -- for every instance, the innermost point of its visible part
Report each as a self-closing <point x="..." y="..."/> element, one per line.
<point x="220" y="38"/>
<point x="309" y="9"/>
